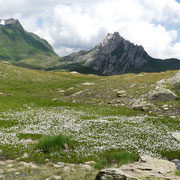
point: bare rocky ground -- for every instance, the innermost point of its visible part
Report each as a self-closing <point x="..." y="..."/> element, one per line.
<point x="146" y="168"/>
<point x="21" y="170"/>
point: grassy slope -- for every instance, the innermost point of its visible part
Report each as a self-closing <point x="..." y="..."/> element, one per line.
<point x="21" y="47"/>
<point x="29" y="98"/>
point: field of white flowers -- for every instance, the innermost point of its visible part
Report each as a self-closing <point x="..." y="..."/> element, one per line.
<point x="94" y="133"/>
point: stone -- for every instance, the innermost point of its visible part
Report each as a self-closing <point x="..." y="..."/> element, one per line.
<point x="88" y="84"/>
<point x="32" y="165"/>
<point x="66" y="147"/>
<point x="25" y="156"/>
<point x="71" y="88"/>
<point x="9" y="161"/>
<point x="61" y="163"/>
<point x="162" y="94"/>
<point x="77" y="93"/>
<point x="57" y="166"/>
<point x="110" y="174"/>
<point x="90" y="163"/>
<point x="57" y="177"/>
<point x="121" y="93"/>
<point x="85" y="166"/>
<point x="175" y="79"/>
<point x="47" y="160"/>
<point x="74" y="72"/>
<point x="141" y="105"/>
<point x="65" y="169"/>
<point x="10" y="165"/>
<point x="11" y="170"/>
<point x="146" y="168"/>
<point x="17" y="173"/>
<point x="61" y="90"/>
<point x="176" y="135"/>
<point x="2" y="163"/>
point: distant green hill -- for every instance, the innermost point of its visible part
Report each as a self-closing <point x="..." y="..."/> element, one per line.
<point x="23" y="48"/>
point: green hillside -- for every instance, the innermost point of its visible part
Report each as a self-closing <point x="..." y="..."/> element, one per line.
<point x="42" y="111"/>
<point x="23" y="48"/>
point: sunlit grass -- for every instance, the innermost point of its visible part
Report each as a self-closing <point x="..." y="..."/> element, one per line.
<point x="32" y="108"/>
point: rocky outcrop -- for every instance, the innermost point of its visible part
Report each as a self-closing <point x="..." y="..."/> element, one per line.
<point x="175" y="79"/>
<point x="8" y="21"/>
<point x="121" y="93"/>
<point x="162" y="94"/>
<point x="115" y="55"/>
<point x="176" y="135"/>
<point x="146" y="168"/>
<point x="142" y="105"/>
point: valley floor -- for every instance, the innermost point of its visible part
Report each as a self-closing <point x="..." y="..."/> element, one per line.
<point x="96" y="112"/>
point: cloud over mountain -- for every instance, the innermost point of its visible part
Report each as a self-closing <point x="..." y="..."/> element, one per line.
<point x="73" y="25"/>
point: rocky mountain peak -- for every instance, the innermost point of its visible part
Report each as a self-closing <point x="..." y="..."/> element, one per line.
<point x="8" y="21"/>
<point x="111" y="41"/>
<point x="113" y="36"/>
<point x="116" y="55"/>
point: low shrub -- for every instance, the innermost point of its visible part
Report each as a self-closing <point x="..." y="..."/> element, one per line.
<point x="116" y="157"/>
<point x="170" y="155"/>
<point x="50" y="144"/>
<point x="177" y="173"/>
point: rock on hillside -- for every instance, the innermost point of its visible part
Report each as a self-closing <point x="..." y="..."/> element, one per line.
<point x="115" y="55"/>
<point x="146" y="168"/>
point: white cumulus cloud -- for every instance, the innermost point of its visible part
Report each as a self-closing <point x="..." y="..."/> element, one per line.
<point x="73" y="25"/>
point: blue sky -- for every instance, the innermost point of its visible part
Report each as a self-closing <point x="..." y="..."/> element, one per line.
<point x="70" y="25"/>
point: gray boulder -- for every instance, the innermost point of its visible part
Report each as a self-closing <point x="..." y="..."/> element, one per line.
<point x="175" y="79"/>
<point x="141" y="104"/>
<point x="146" y="168"/>
<point x="121" y="93"/>
<point x="162" y="94"/>
<point x="176" y="135"/>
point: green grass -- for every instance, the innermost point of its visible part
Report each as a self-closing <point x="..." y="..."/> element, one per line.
<point x="117" y="158"/>
<point x="27" y="90"/>
<point x="177" y="173"/>
<point x="50" y="144"/>
<point x="170" y="155"/>
<point x="8" y="123"/>
<point x="23" y="48"/>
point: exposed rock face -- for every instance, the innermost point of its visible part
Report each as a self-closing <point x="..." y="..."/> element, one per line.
<point x="8" y="21"/>
<point x="142" y="105"/>
<point x="115" y="55"/>
<point x="121" y="93"/>
<point x="176" y="135"/>
<point x="162" y="95"/>
<point x="146" y="168"/>
<point x="175" y="79"/>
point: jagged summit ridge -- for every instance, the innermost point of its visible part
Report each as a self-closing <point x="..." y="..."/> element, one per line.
<point x="8" y="21"/>
<point x="116" y="55"/>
